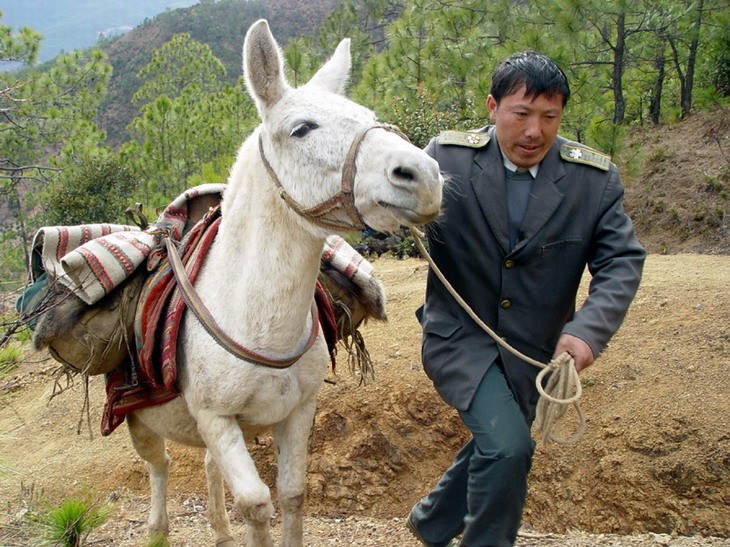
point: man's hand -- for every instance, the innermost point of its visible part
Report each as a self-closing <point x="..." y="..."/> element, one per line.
<point x="581" y="352"/>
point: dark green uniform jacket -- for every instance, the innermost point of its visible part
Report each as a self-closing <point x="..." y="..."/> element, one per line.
<point x="574" y="219"/>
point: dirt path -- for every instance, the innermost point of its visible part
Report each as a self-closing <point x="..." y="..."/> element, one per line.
<point x="653" y="469"/>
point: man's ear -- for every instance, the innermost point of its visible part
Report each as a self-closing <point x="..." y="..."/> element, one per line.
<point x="491" y="107"/>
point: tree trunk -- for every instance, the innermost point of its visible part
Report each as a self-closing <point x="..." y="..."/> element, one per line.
<point x="687" y="88"/>
<point x="656" y="96"/>
<point x="619" y="54"/>
<point x="15" y="205"/>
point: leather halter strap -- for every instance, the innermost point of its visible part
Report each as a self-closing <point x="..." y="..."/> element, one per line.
<point x="344" y="199"/>
<point x="195" y="304"/>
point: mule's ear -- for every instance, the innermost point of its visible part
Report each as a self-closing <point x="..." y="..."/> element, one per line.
<point x="263" y="65"/>
<point x="334" y="73"/>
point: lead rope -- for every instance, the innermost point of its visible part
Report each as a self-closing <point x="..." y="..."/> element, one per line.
<point x="563" y="388"/>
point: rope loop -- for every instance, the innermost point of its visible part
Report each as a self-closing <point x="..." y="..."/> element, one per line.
<point x="562" y="388"/>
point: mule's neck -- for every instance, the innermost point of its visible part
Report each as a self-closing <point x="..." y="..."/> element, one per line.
<point x="262" y="268"/>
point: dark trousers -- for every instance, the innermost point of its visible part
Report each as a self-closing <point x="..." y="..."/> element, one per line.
<point x="482" y="494"/>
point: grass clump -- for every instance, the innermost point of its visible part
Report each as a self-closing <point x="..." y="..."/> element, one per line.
<point x="9" y="357"/>
<point x="157" y="540"/>
<point x="70" y="524"/>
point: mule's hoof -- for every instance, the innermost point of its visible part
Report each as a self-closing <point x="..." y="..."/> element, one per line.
<point x="259" y="513"/>
<point x="225" y="542"/>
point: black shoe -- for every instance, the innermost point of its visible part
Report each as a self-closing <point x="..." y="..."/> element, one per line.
<point x="412" y="528"/>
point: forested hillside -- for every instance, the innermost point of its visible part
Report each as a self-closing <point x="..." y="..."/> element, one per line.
<point x="220" y="25"/>
<point x="162" y="109"/>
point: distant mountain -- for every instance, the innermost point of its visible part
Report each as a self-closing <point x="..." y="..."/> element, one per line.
<point x="222" y="25"/>
<point x="67" y="25"/>
<point x="129" y="30"/>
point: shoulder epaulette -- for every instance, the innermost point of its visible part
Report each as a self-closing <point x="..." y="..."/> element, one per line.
<point x="582" y="154"/>
<point x="464" y="138"/>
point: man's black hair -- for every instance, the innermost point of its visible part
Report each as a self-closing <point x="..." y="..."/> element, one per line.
<point x="537" y="72"/>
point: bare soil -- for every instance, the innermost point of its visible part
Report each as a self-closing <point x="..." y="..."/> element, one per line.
<point x="653" y="467"/>
<point x="677" y="180"/>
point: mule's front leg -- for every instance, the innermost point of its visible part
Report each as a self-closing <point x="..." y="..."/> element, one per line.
<point x="292" y="437"/>
<point x="217" y="503"/>
<point x="225" y="443"/>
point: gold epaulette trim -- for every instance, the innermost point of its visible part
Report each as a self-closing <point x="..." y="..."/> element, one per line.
<point x="464" y="138"/>
<point x="585" y="155"/>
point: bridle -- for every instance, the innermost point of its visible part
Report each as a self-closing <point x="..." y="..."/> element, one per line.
<point x="344" y="199"/>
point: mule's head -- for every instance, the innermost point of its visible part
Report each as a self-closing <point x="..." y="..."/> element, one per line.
<point x="306" y="140"/>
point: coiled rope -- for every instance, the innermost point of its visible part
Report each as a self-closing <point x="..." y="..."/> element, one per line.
<point x="562" y="389"/>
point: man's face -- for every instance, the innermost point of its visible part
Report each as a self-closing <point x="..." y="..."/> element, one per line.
<point x="526" y="126"/>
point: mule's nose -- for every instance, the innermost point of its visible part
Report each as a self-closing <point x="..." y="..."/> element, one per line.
<point x="417" y="174"/>
<point x="414" y="171"/>
<point x="404" y="173"/>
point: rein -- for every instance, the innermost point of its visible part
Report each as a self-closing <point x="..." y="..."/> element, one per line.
<point x="193" y="301"/>
<point x="344" y="199"/>
<point x="563" y="387"/>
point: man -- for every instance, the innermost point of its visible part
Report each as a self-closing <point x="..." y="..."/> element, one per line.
<point x="526" y="211"/>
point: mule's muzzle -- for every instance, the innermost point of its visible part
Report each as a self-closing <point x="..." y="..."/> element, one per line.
<point x="410" y="216"/>
<point x="418" y="178"/>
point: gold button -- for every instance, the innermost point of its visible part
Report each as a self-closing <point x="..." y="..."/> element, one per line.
<point x="505" y="304"/>
<point x="509" y="263"/>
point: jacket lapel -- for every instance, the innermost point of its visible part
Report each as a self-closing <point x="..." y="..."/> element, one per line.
<point x="489" y="184"/>
<point x="545" y="196"/>
<point x="490" y="189"/>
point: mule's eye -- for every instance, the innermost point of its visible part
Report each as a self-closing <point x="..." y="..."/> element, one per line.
<point x="302" y="129"/>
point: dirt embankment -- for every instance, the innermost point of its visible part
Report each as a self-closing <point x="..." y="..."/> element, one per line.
<point x="655" y="457"/>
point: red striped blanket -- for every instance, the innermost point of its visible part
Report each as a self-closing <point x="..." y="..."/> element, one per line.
<point x="157" y="325"/>
<point x="93" y="260"/>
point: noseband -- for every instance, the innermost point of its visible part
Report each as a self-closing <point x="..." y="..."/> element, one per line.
<point x="344" y="199"/>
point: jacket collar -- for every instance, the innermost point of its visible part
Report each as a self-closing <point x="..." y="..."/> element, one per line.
<point x="489" y="185"/>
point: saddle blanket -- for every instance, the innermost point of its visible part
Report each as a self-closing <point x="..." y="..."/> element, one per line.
<point x="342" y="257"/>
<point x="52" y="245"/>
<point x="94" y="259"/>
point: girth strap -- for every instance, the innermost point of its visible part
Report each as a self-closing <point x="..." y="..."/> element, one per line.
<point x="195" y="304"/>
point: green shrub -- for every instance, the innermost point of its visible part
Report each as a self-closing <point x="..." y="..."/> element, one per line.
<point x="23" y="336"/>
<point x="9" y="357"/>
<point x="659" y="154"/>
<point x="93" y="191"/>
<point x="607" y="137"/>
<point x="70" y="524"/>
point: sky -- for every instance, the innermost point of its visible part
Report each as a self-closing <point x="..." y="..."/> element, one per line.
<point x="67" y="25"/>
